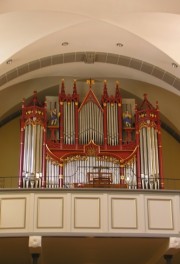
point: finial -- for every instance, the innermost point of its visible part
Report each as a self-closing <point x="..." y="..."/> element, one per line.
<point x="62" y="86"/>
<point x="157" y="106"/>
<point x="74" y="87"/>
<point x="135" y="108"/>
<point x="74" y="83"/>
<point x="105" y="85"/>
<point x="23" y="102"/>
<point x="145" y="96"/>
<point x="90" y="82"/>
<point x="35" y="97"/>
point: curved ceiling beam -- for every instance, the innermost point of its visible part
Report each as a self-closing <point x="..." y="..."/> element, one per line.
<point x="90" y="58"/>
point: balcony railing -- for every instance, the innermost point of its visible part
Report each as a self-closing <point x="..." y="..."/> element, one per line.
<point x="12" y="182"/>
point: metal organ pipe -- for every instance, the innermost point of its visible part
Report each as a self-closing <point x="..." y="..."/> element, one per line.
<point x="100" y="127"/>
<point x="73" y="123"/>
<point x="130" y="174"/>
<point x="156" y="159"/>
<point x="149" y="151"/>
<point x="156" y="153"/>
<point x="40" y="149"/>
<point x="32" y="161"/>
<point x="87" y="131"/>
<point x="149" y="158"/>
<point x="76" y="171"/>
<point x="116" y="123"/>
<point x="142" y="158"/>
<point x="33" y="149"/>
<point x="145" y="156"/>
<point x="52" y="174"/>
<point x="90" y="124"/>
<point x="29" y="148"/>
<point x="25" y="149"/>
<point x="65" y="122"/>
<point x="108" y="126"/>
<point x="68" y="131"/>
<point x="90" y="121"/>
<point x="37" y="149"/>
<point x="69" y="122"/>
<point x="153" y="152"/>
<point x="112" y="123"/>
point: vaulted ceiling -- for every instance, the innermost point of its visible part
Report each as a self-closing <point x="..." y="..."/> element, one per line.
<point x="134" y="42"/>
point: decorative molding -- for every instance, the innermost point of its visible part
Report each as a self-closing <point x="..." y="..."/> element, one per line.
<point x="9" y="218"/>
<point x="91" y="219"/>
<point x="165" y="219"/>
<point x="50" y="215"/>
<point x="125" y="212"/>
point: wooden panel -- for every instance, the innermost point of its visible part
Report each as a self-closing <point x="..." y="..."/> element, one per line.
<point x="13" y="213"/>
<point x="87" y="212"/>
<point x="160" y="214"/>
<point x="50" y="212"/>
<point x="123" y="213"/>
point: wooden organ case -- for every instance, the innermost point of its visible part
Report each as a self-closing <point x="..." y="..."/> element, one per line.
<point x="112" y="143"/>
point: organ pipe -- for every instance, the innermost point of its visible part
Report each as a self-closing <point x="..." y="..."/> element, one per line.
<point x="90" y="124"/>
<point x="112" y="124"/>
<point x="149" y="157"/>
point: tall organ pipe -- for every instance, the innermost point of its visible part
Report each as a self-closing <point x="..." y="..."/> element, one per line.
<point x="90" y="124"/>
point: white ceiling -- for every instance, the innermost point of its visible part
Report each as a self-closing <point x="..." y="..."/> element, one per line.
<point x="33" y="30"/>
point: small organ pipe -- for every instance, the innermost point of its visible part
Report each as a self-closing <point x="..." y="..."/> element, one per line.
<point x="113" y="123"/>
<point x="108" y="124"/>
<point x="73" y="123"/>
<point x="145" y="152"/>
<point x="25" y="149"/>
<point x="37" y="149"/>
<point x="105" y="136"/>
<point x="65" y="121"/>
<point x="149" y="151"/>
<point x="29" y="149"/>
<point x="156" y="154"/>
<point x="153" y="152"/>
<point x="40" y="149"/>
<point x="32" y="149"/>
<point x="86" y="118"/>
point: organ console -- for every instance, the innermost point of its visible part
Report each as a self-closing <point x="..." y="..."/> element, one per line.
<point x="110" y="143"/>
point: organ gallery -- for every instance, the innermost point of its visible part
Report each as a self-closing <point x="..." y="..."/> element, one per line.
<point x="111" y="142"/>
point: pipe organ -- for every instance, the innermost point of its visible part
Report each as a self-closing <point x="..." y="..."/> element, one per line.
<point x="32" y="141"/>
<point x="109" y="143"/>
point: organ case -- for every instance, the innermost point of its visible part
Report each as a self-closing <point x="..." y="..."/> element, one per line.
<point x="110" y="143"/>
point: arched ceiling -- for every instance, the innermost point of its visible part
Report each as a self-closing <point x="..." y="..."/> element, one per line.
<point x="32" y="33"/>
